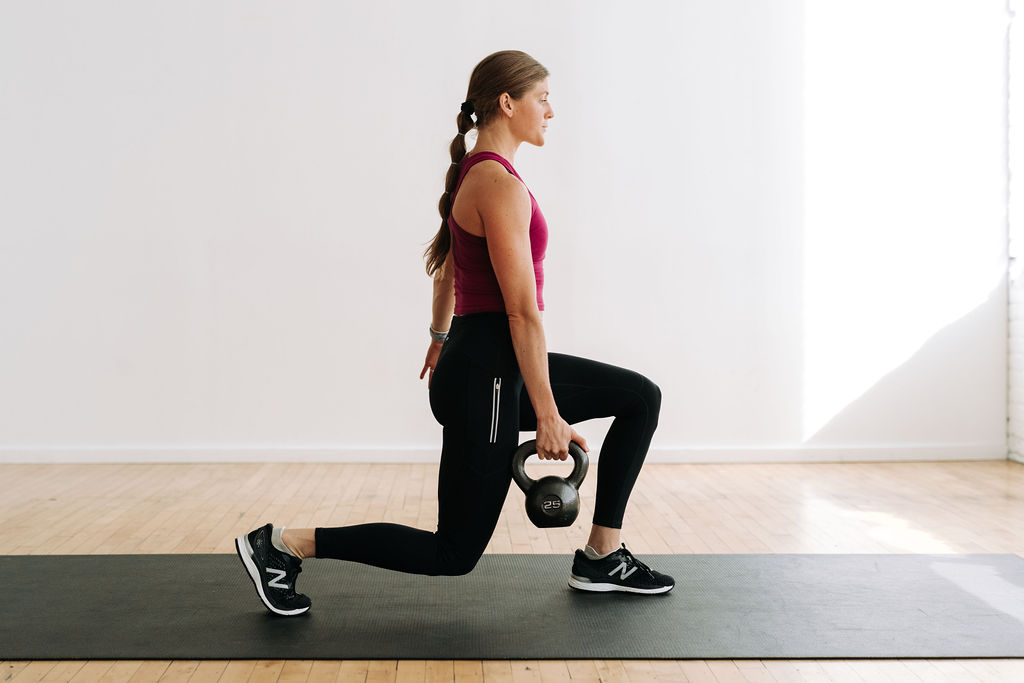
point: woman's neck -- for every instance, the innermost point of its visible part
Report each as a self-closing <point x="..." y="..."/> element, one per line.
<point x="500" y="142"/>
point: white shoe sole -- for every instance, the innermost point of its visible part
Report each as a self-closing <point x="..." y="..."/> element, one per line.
<point x="585" y="585"/>
<point x="245" y="554"/>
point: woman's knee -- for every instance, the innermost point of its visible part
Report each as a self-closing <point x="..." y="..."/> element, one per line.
<point x="650" y="394"/>
<point x="461" y="567"/>
<point x="456" y="563"/>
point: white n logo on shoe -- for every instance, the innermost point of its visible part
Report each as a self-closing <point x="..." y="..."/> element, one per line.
<point x="622" y="570"/>
<point x="280" y="574"/>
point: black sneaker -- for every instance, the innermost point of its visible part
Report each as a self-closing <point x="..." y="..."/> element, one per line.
<point x="272" y="572"/>
<point x="619" y="571"/>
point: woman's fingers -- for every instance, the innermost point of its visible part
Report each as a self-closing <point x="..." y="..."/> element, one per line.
<point x="433" y="353"/>
<point x="580" y="440"/>
<point x="553" y="444"/>
<point x="553" y="440"/>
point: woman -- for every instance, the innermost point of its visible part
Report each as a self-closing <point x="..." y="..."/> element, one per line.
<point x="493" y="283"/>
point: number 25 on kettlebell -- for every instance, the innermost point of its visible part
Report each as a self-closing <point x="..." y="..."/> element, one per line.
<point x="551" y="501"/>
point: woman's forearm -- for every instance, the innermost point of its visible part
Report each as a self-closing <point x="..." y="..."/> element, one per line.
<point x="444" y="300"/>
<point x="531" y="352"/>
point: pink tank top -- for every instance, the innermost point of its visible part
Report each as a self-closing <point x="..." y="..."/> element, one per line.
<point x="476" y="285"/>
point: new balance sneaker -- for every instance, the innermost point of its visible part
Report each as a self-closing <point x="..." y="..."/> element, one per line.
<point x="618" y="571"/>
<point x="272" y="572"/>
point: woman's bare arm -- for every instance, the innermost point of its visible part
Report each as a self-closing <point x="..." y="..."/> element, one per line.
<point x="506" y="210"/>
<point x="441" y="317"/>
<point x="444" y="296"/>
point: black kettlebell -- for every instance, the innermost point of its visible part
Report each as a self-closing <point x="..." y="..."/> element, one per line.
<point x="551" y="501"/>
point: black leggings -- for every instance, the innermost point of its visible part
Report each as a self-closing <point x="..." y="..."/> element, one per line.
<point x="477" y="394"/>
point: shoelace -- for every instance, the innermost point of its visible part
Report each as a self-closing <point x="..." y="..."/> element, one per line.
<point x="631" y="561"/>
<point x="290" y="573"/>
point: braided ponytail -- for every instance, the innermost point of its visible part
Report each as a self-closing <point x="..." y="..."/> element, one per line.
<point x="509" y="71"/>
<point x="442" y="244"/>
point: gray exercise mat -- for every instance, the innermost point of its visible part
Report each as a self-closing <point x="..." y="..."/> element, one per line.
<point x="517" y="607"/>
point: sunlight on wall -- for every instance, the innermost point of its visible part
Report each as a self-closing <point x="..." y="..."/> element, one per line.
<point x="894" y="533"/>
<point x="904" y="184"/>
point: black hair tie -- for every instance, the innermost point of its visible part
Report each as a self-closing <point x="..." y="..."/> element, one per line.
<point x="467" y="107"/>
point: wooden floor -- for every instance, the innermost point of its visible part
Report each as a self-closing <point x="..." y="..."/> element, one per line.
<point x="969" y="507"/>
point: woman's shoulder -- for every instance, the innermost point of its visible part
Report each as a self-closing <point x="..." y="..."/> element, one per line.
<point x="491" y="176"/>
<point x="487" y="191"/>
<point x="484" y="164"/>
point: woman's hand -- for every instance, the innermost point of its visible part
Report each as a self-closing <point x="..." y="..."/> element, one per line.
<point x="431" y="362"/>
<point x="553" y="437"/>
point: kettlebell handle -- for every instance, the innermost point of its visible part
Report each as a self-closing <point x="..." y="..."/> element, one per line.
<point x="528" y="448"/>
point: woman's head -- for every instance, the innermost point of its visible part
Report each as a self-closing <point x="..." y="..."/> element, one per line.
<point x="509" y="85"/>
<point x="500" y="82"/>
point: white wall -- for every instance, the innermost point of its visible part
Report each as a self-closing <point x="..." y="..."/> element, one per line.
<point x="1015" y="364"/>
<point x="792" y="218"/>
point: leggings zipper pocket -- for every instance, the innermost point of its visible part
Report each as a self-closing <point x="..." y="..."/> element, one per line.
<point x="495" y="406"/>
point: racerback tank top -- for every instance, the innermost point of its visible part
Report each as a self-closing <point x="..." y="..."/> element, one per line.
<point x="476" y="285"/>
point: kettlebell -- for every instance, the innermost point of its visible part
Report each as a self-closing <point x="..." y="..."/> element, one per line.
<point x="551" y="501"/>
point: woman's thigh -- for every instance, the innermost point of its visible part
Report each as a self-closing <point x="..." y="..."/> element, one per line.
<point x="479" y="408"/>
<point x="584" y="389"/>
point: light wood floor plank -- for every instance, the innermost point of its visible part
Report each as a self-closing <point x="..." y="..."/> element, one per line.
<point x="237" y="672"/>
<point x="798" y="671"/>
<point x="322" y="671"/>
<point x="266" y="671"/>
<point x="33" y="672"/>
<point x="467" y="672"/>
<point x="525" y="672"/>
<point x="63" y="672"/>
<point x="411" y="671"/>
<point x="726" y="672"/>
<point x="92" y="672"/>
<point x="295" y="671"/>
<point x="497" y="672"/>
<point x="8" y="670"/>
<point x="440" y="671"/>
<point x="381" y="671"/>
<point x="841" y="672"/>
<point x="208" y="672"/>
<point x="149" y="672"/>
<point x="121" y="672"/>
<point x="353" y="671"/>
<point x="754" y="671"/>
<point x="179" y="672"/>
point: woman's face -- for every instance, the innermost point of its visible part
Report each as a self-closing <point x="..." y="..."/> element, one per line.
<point x="531" y="114"/>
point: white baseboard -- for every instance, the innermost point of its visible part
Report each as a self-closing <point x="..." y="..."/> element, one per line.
<point x="430" y="454"/>
<point x="833" y="454"/>
<point x="220" y="454"/>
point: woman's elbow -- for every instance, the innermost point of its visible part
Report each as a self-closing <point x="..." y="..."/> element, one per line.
<point x="522" y="313"/>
